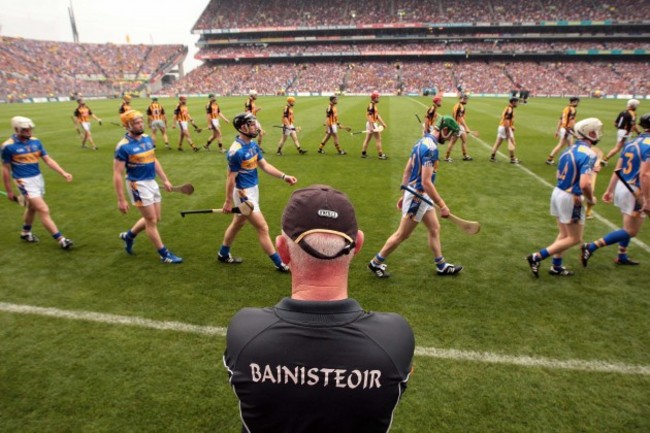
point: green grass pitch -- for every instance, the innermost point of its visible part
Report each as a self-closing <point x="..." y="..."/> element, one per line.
<point x="62" y="375"/>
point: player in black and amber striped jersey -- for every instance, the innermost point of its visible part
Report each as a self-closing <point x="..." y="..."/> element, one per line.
<point x="157" y="120"/>
<point x="126" y="104"/>
<point x="431" y="115"/>
<point x="213" y="113"/>
<point x="182" y="118"/>
<point x="458" y="113"/>
<point x="332" y="126"/>
<point x="288" y="127"/>
<point x="81" y="116"/>
<point x="506" y="131"/>
<point x="250" y="106"/>
<point x="625" y="123"/>
<point x="373" y="121"/>
<point x="565" y="128"/>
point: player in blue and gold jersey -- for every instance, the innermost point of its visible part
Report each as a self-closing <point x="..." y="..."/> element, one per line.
<point x="244" y="158"/>
<point x="634" y="165"/>
<point x="135" y="154"/>
<point x="574" y="170"/>
<point x="20" y="156"/>
<point x="420" y="174"/>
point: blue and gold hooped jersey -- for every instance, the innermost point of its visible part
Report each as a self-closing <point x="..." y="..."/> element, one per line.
<point x="579" y="159"/>
<point x="139" y="157"/>
<point x="23" y="156"/>
<point x="423" y="154"/>
<point x="243" y="159"/>
<point x="635" y="153"/>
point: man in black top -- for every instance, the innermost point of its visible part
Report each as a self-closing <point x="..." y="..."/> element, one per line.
<point x="317" y="362"/>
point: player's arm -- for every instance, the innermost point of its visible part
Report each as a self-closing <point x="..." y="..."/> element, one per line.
<point x="223" y="117"/>
<point x="432" y="191"/>
<point x="381" y="121"/>
<point x="6" y="179"/>
<point x="644" y="178"/>
<point x="586" y="185"/>
<point x="230" y="188"/>
<point x="608" y="195"/>
<point x="56" y="167"/>
<point x="161" y="174"/>
<point x="118" y="183"/>
<point x="96" y="118"/>
<point x="272" y="171"/>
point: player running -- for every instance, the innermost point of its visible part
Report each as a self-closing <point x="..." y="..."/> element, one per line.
<point x="420" y="174"/>
<point x="634" y="166"/>
<point x="213" y="113"/>
<point x="565" y="128"/>
<point x="458" y="113"/>
<point x="373" y="120"/>
<point x="574" y="182"/>
<point x="332" y="126"/>
<point x="288" y="127"/>
<point x="506" y="131"/>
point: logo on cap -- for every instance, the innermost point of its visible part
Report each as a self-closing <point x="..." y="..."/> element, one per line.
<point x="328" y="213"/>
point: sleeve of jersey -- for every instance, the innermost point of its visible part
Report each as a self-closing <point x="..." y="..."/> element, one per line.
<point x="120" y="152"/>
<point x="234" y="161"/>
<point x="245" y="326"/>
<point x="645" y="150"/>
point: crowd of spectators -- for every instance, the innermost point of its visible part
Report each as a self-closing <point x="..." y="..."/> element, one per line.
<point x="46" y="68"/>
<point x="540" y="78"/>
<point x="222" y="14"/>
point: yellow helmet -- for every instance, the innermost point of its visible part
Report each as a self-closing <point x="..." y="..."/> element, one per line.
<point x="129" y="116"/>
<point x="291" y="100"/>
<point x="127" y="98"/>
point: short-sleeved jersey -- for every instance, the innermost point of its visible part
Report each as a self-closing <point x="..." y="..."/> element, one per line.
<point x="579" y="159"/>
<point x="212" y="110"/>
<point x="332" y="115"/>
<point x="287" y="114"/>
<point x="182" y="113"/>
<point x="626" y="120"/>
<point x="318" y="367"/>
<point x="372" y="112"/>
<point x="423" y="154"/>
<point x="568" y="117"/>
<point x="83" y="113"/>
<point x="508" y="115"/>
<point x="458" y="112"/>
<point x="155" y="111"/>
<point x="243" y="159"/>
<point x="430" y="116"/>
<point x="249" y="106"/>
<point x="124" y="107"/>
<point x="635" y="153"/>
<point x="23" y="156"/>
<point x="139" y="157"/>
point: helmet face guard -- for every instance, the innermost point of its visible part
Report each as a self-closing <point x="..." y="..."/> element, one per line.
<point x="246" y="119"/>
<point x="590" y="129"/>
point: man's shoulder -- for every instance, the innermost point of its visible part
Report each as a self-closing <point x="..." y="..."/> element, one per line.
<point x="248" y="322"/>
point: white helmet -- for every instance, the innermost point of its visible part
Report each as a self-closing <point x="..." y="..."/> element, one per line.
<point x="590" y="128"/>
<point x="20" y="122"/>
<point x="253" y="93"/>
<point x="633" y="103"/>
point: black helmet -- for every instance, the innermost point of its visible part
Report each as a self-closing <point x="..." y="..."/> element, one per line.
<point x="574" y="99"/>
<point x="513" y="99"/>
<point x="644" y="122"/>
<point x="243" y="119"/>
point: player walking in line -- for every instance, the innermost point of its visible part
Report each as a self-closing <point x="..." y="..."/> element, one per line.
<point x="135" y="154"/>
<point x="625" y="123"/>
<point x="506" y="131"/>
<point x="458" y="113"/>
<point x="126" y="104"/>
<point x="373" y="120"/>
<point x="244" y="157"/>
<point x="213" y="113"/>
<point x="182" y="118"/>
<point x="431" y="115"/>
<point x="157" y="120"/>
<point x="565" y="128"/>
<point x="250" y="106"/>
<point x="574" y="182"/>
<point x="288" y="127"/>
<point x="420" y="174"/>
<point x="82" y="114"/>
<point x="332" y="126"/>
<point x="20" y="155"/>
<point x="634" y="166"/>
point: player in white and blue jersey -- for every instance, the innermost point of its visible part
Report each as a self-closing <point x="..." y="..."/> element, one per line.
<point x="420" y="174"/>
<point x="244" y="158"/>
<point x="574" y="181"/>
<point x="135" y="154"/>
<point x="20" y="156"/>
<point x="633" y="164"/>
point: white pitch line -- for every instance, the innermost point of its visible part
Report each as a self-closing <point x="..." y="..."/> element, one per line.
<point x="599" y="217"/>
<point x="430" y="352"/>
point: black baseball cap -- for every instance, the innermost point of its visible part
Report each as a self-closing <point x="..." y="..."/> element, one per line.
<point x="320" y="209"/>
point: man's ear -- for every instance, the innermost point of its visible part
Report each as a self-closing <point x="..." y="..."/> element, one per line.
<point x="283" y="248"/>
<point x="359" y="242"/>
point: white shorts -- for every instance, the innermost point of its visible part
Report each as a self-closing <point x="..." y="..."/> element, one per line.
<point x="31" y="187"/>
<point x="214" y="123"/>
<point x="566" y="207"/>
<point x="334" y="129"/>
<point x="626" y="202"/>
<point x="563" y="134"/>
<point x="370" y="126"/>
<point x="85" y="126"/>
<point x="501" y="133"/>
<point x="413" y="207"/>
<point x="287" y="130"/>
<point x="183" y="125"/>
<point x="158" y="124"/>
<point x="622" y="134"/>
<point x="251" y="194"/>
<point x="461" y="130"/>
<point x="143" y="192"/>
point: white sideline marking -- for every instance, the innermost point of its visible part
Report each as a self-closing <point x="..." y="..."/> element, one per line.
<point x="431" y="352"/>
<point x="599" y="217"/>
